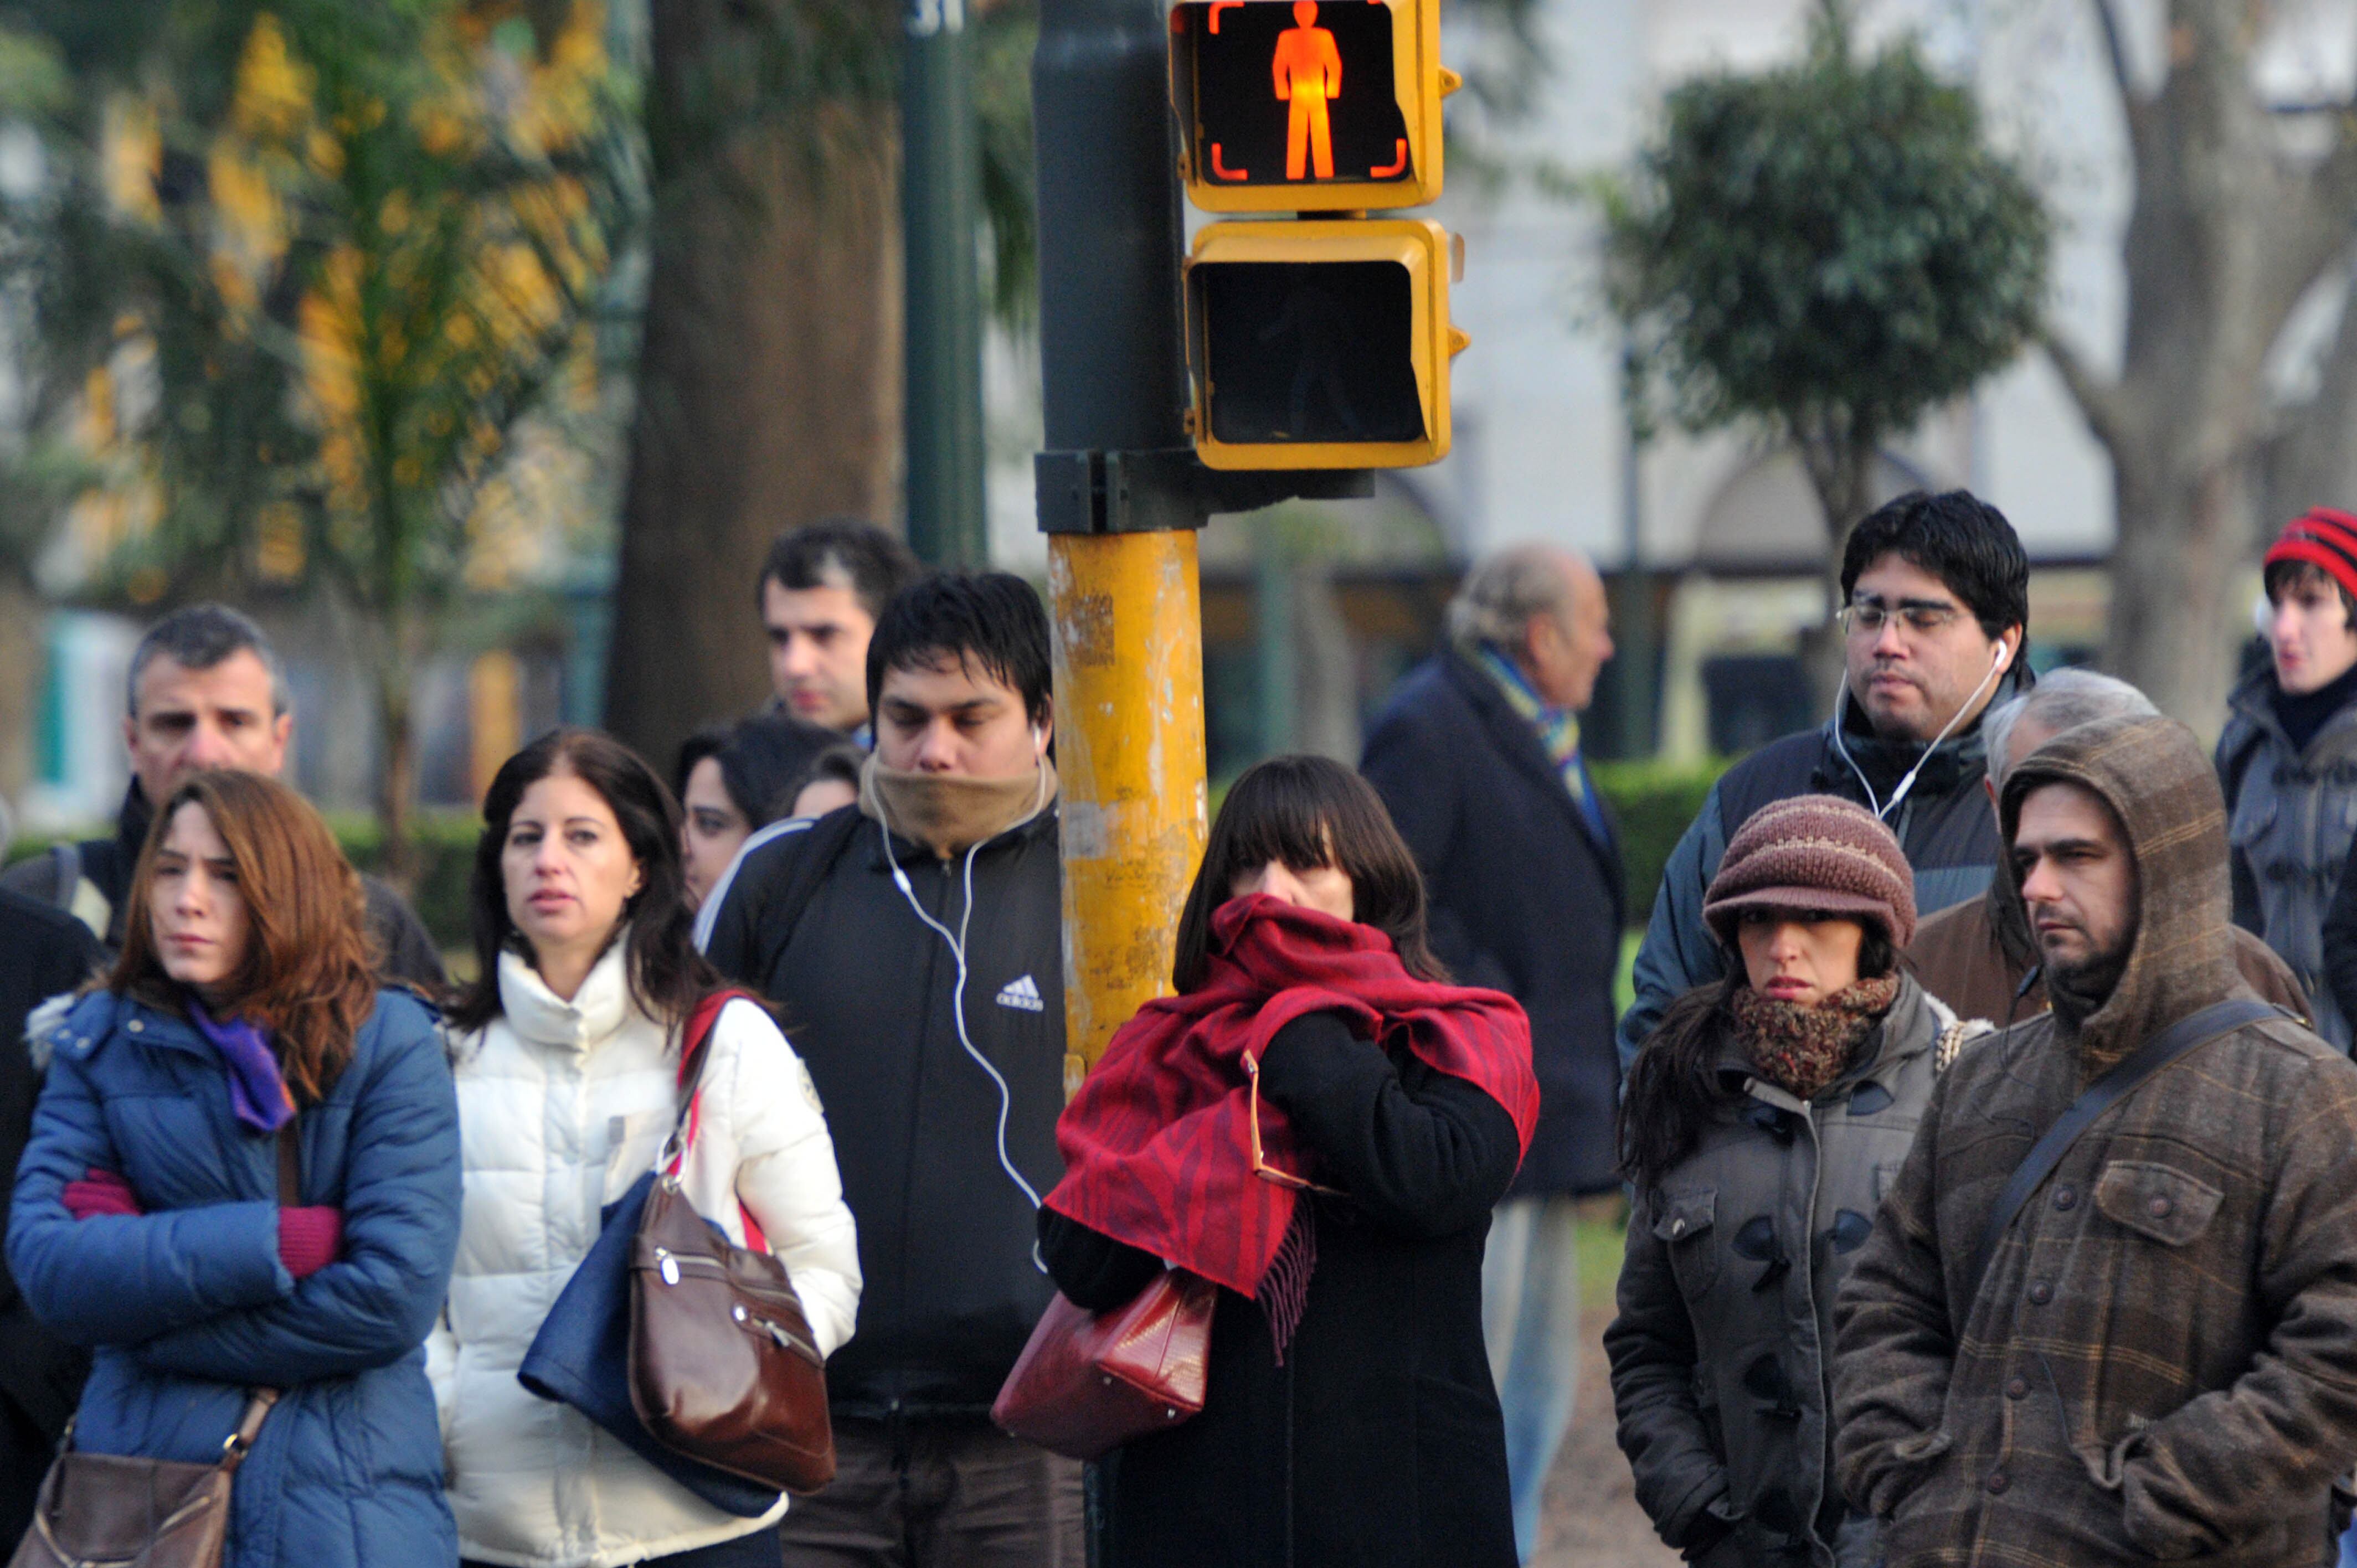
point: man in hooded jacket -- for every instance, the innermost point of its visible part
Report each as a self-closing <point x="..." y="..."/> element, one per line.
<point x="2160" y="1360"/>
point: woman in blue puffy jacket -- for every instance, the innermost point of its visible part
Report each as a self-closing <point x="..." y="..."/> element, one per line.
<point x="147" y="1221"/>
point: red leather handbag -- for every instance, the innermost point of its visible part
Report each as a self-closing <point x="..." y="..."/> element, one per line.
<point x="1088" y="1383"/>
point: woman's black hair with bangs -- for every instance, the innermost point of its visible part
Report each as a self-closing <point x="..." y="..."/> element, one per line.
<point x="1308" y="811"/>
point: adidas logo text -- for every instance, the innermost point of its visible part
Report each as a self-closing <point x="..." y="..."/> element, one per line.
<point x="1023" y="992"/>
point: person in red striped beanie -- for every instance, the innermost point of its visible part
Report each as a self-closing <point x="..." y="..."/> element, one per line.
<point x="2287" y="759"/>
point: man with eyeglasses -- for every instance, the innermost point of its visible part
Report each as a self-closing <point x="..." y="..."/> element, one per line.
<point x="1936" y="593"/>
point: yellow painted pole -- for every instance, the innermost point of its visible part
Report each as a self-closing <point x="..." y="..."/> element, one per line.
<point x="1127" y="616"/>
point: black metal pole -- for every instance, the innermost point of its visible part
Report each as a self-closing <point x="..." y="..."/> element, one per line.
<point x="1113" y="364"/>
<point x="941" y="183"/>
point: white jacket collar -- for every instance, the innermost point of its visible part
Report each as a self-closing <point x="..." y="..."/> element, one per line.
<point x="536" y="1014"/>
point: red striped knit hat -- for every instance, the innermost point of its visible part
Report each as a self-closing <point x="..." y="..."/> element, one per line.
<point x="1813" y="854"/>
<point x="2324" y="539"/>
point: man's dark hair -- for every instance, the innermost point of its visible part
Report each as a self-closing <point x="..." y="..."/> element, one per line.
<point x="841" y="552"/>
<point x="992" y="619"/>
<point x="1958" y="538"/>
<point x="199" y="638"/>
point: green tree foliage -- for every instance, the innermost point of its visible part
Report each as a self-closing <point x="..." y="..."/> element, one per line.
<point x="313" y="264"/>
<point x="1825" y="253"/>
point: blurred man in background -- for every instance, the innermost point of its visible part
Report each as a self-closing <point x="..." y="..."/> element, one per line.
<point x="1477" y="758"/>
<point x="822" y="589"/>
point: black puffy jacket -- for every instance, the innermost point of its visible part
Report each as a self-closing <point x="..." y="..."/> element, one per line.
<point x="869" y="997"/>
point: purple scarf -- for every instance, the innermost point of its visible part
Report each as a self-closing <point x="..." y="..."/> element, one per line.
<point x="257" y="1091"/>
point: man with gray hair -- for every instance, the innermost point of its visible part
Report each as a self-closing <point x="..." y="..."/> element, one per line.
<point x="206" y="689"/>
<point x="1980" y="957"/>
<point x="1477" y="756"/>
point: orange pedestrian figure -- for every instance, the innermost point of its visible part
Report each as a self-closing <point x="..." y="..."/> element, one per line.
<point x="1308" y="70"/>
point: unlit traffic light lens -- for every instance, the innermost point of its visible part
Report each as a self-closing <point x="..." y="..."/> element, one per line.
<point x="1319" y="351"/>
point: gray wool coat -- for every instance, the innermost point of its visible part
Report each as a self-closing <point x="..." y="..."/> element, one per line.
<point x="1719" y="1353"/>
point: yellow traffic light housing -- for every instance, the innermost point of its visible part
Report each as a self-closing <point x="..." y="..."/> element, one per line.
<point x="1309" y="105"/>
<point x="1321" y="344"/>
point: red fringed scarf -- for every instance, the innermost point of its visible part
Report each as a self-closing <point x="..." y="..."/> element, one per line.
<point x="1156" y="1147"/>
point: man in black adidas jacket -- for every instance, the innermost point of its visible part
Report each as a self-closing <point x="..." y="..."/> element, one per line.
<point x="1937" y="608"/>
<point x="914" y="944"/>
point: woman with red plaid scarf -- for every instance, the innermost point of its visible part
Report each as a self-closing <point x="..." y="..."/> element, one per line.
<point x="1351" y="1417"/>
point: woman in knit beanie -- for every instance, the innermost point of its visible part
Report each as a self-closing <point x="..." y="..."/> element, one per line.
<point x="1763" y="1118"/>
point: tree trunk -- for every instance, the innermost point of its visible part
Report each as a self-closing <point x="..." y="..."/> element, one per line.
<point x="769" y="390"/>
<point x="2313" y="462"/>
<point x="2228" y="230"/>
<point x="21" y="667"/>
<point x="2171" y="620"/>
<point x="397" y="775"/>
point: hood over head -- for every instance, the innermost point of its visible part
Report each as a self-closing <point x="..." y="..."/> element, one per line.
<point x="2158" y="782"/>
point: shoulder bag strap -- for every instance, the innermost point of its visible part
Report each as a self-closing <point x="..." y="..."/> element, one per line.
<point x="2193" y="1030"/>
<point x="695" y="1037"/>
<point x="290" y="1165"/>
<point x="290" y="1196"/>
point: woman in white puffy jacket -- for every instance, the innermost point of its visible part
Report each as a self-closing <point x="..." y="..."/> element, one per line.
<point x="566" y="1053"/>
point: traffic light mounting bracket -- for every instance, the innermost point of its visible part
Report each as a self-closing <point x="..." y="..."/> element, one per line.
<point x="1144" y="492"/>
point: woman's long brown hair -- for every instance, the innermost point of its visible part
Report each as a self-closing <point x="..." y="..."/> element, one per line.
<point x="307" y="975"/>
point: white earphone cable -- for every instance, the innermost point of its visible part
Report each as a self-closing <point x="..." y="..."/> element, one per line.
<point x="957" y="1008"/>
<point x="1882" y="809"/>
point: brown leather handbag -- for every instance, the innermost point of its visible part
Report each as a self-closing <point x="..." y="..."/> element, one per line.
<point x="1088" y="1382"/>
<point x="110" y="1510"/>
<point x="723" y="1366"/>
<point x="105" y="1509"/>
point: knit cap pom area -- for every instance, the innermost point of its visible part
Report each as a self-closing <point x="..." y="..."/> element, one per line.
<point x="1813" y="854"/>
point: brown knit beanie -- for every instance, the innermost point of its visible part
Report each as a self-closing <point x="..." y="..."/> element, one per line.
<point x="1815" y="855"/>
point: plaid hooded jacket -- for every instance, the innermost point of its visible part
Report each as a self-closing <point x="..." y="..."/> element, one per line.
<point x="2161" y="1361"/>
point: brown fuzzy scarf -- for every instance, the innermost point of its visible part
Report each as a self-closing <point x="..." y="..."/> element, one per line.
<point x="1803" y="1049"/>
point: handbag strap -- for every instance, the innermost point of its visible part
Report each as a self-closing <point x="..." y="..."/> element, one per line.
<point x="694" y="1050"/>
<point x="290" y="1165"/>
<point x="2195" y="1029"/>
<point x="241" y="1442"/>
<point x="257" y="1409"/>
<point x="695" y="1041"/>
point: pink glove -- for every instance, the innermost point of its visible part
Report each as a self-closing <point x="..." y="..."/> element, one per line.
<point x="309" y="1238"/>
<point x="100" y="1192"/>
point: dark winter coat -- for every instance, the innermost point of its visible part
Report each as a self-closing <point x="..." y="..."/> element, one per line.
<point x="106" y="864"/>
<point x="1527" y="894"/>
<point x="1720" y="1363"/>
<point x="1378" y="1444"/>
<point x="43" y="952"/>
<point x="1944" y="825"/>
<point x="2161" y="1361"/>
<point x="188" y="1308"/>
<point x="869" y="996"/>
<point x="2291" y="819"/>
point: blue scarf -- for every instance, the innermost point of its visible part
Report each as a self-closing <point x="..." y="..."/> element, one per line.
<point x="257" y="1090"/>
<point x="1558" y="733"/>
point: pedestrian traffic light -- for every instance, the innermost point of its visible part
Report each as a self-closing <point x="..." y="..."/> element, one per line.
<point x="1309" y="105"/>
<point x="1321" y="344"/>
